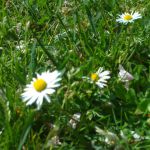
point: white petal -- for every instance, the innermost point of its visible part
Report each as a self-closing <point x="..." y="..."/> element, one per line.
<point x="26" y="97"/>
<point x="105" y="77"/>
<point x="100" y="84"/>
<point x="105" y="73"/>
<point x="49" y="91"/>
<point x="39" y="102"/>
<point x="47" y="98"/>
<point x="136" y="15"/>
<point x="53" y="85"/>
<point x="32" y="100"/>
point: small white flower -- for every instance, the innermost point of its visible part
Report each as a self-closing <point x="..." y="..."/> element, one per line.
<point x="100" y="77"/>
<point x="41" y="87"/>
<point x="75" y="119"/>
<point x="21" y="46"/>
<point x="135" y="135"/>
<point x="128" y="18"/>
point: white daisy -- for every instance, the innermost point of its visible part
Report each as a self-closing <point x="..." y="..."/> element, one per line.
<point x="100" y="77"/>
<point x="41" y="87"/>
<point x="127" y="17"/>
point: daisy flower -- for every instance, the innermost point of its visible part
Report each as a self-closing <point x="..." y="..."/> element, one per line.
<point x="127" y="17"/>
<point x="100" y="77"/>
<point x="41" y="87"/>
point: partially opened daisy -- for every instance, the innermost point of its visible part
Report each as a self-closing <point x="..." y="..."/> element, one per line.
<point x="128" y="17"/>
<point x="41" y="87"/>
<point x="100" y="77"/>
<point x="125" y="76"/>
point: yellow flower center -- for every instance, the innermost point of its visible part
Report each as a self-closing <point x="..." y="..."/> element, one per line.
<point x="39" y="85"/>
<point x="94" y="77"/>
<point x="128" y="17"/>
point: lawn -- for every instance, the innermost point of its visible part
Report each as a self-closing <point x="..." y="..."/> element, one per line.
<point x="75" y="75"/>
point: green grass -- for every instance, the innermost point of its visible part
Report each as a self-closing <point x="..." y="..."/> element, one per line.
<point x="76" y="37"/>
